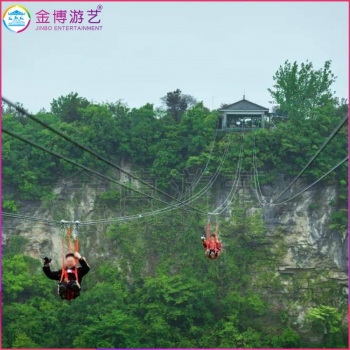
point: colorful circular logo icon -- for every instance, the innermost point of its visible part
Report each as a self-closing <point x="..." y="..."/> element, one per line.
<point x="16" y="18"/>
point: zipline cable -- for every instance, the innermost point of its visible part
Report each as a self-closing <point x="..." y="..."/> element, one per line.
<point x="256" y="178"/>
<point x="232" y="193"/>
<point x="257" y="186"/>
<point x="196" y="181"/>
<point x="165" y="210"/>
<point x="125" y="218"/>
<point x="213" y="178"/>
<point x="44" y="149"/>
<point x="19" y="109"/>
<point x="193" y="186"/>
<point x="31" y="218"/>
<point x="233" y="190"/>
<point x="322" y="177"/>
<point x="308" y="187"/>
<point x="287" y="200"/>
<point x="57" y="132"/>
<point x="325" y="143"/>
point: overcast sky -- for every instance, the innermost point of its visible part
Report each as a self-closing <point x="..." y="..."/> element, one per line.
<point x="213" y="51"/>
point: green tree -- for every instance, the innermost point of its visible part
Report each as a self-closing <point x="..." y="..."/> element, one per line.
<point x="177" y="103"/>
<point x="67" y="107"/>
<point x="23" y="341"/>
<point x="325" y="320"/>
<point x="301" y="91"/>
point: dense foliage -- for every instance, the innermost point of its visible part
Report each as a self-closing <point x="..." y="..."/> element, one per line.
<point x="170" y="296"/>
<point x="157" y="289"/>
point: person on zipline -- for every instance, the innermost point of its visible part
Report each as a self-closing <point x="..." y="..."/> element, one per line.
<point x="70" y="277"/>
<point x="212" y="247"/>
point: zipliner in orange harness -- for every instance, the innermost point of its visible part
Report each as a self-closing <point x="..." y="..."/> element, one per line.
<point x="212" y="247"/>
<point x="211" y="244"/>
<point x="70" y="275"/>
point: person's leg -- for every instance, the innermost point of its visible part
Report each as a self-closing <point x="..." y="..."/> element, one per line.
<point x="207" y="253"/>
<point x="62" y="289"/>
<point x="75" y="287"/>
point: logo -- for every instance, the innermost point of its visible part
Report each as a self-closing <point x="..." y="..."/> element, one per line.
<point x="16" y="18"/>
<point x="68" y="20"/>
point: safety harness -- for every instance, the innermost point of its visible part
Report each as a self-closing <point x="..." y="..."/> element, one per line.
<point x="65" y="227"/>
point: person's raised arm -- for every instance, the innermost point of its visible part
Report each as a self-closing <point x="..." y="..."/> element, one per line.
<point x="85" y="268"/>
<point x="52" y="275"/>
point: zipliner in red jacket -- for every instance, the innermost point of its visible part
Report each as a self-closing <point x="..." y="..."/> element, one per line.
<point x="212" y="247"/>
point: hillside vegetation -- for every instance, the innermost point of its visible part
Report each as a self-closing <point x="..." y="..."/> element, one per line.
<point x="157" y="289"/>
